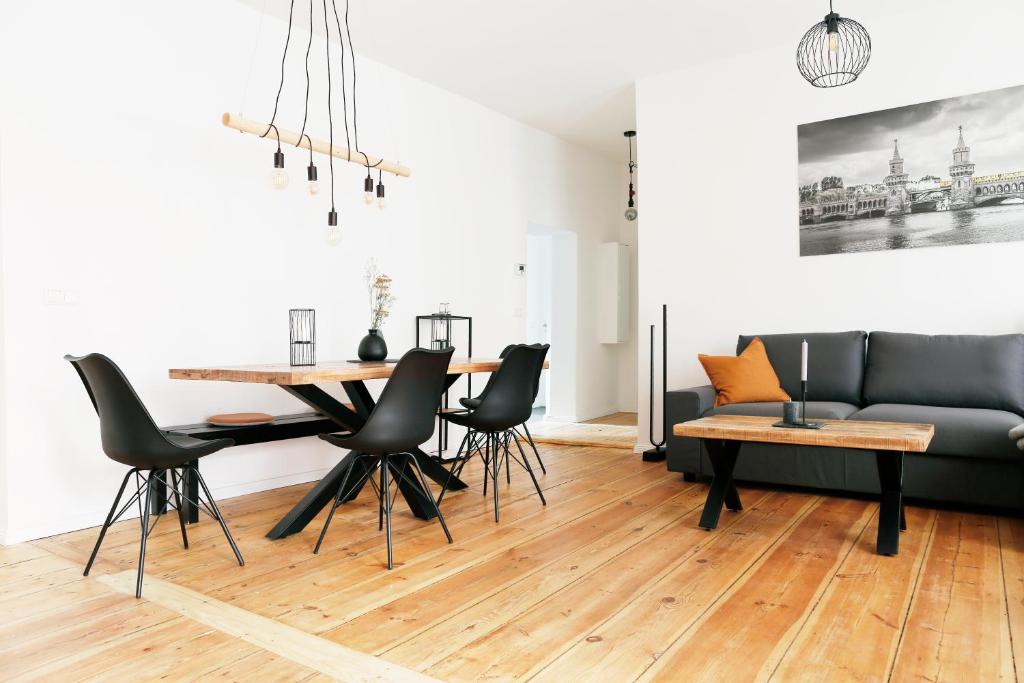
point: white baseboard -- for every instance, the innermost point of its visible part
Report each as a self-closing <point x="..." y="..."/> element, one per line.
<point x="85" y="519"/>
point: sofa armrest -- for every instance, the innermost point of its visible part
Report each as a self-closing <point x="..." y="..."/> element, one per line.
<point x="683" y="405"/>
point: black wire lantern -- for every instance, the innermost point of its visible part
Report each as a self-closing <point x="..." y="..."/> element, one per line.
<point x="833" y="52"/>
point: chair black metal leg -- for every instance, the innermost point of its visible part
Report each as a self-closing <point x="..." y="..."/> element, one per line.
<point x="508" y="470"/>
<point x="536" y="454"/>
<point x="385" y="486"/>
<point x="146" y="509"/>
<point x="175" y="486"/>
<point x="220" y="517"/>
<point x="380" y="502"/>
<point x="723" y="456"/>
<point x="107" y="522"/>
<point x="426" y="487"/>
<point x="330" y="513"/>
<point x="529" y="470"/>
<point x="487" y="463"/>
<point x="495" y="462"/>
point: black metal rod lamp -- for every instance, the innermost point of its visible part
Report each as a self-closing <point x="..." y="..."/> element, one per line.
<point x="631" y="204"/>
<point x="657" y="453"/>
<point x="834" y="51"/>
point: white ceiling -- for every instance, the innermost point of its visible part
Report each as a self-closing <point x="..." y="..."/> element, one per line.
<point x="568" y="66"/>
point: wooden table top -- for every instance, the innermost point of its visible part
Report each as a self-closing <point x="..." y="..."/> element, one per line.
<point x="329" y="371"/>
<point x="887" y="436"/>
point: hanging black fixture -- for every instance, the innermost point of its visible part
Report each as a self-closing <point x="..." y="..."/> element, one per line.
<point x="380" y="190"/>
<point x="631" y="204"/>
<point x="368" y="187"/>
<point x="833" y="52"/>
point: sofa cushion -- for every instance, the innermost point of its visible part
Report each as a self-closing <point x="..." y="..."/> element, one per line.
<point x="816" y="410"/>
<point x="956" y="371"/>
<point x="972" y="432"/>
<point x="835" y="363"/>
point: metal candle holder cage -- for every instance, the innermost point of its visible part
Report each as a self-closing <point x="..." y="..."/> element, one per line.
<point x="302" y="336"/>
<point x="441" y="338"/>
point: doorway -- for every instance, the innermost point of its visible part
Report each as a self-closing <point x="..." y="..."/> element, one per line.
<point x="551" y="317"/>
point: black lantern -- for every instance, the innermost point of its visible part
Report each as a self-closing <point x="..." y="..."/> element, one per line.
<point x="631" y="203"/>
<point x="833" y="52"/>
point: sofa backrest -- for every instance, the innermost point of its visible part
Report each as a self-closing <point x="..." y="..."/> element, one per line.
<point x="835" y="363"/>
<point x="955" y="371"/>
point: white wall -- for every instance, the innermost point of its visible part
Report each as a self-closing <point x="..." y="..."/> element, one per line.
<point x="119" y="184"/>
<point x="718" y="227"/>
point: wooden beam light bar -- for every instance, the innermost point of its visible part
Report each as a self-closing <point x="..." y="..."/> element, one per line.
<point x="288" y="137"/>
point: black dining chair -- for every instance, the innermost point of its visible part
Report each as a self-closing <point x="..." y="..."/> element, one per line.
<point x="473" y="403"/>
<point x="506" y="403"/>
<point x="130" y="436"/>
<point x="402" y="420"/>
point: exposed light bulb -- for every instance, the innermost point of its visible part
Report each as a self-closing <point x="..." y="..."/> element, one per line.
<point x="333" y="235"/>
<point x="381" y="203"/>
<point x="833" y="41"/>
<point x="368" y="189"/>
<point x="631" y="214"/>
<point x="313" y="187"/>
<point x="279" y="177"/>
<point x="333" y="229"/>
<point x="380" y="191"/>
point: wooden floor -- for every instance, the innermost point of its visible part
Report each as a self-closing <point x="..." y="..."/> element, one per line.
<point x="611" y="581"/>
<point x="622" y="419"/>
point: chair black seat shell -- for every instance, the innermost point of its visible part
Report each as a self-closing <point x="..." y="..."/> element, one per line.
<point x="402" y="419"/>
<point x="130" y="437"/>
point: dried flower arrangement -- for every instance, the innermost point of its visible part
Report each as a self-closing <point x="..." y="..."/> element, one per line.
<point x="379" y="288"/>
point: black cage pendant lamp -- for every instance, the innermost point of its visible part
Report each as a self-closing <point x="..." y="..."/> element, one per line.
<point x="631" y="203"/>
<point x="834" y="51"/>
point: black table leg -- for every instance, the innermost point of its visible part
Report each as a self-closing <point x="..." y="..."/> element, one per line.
<point x="723" y="456"/>
<point x="159" y="499"/>
<point x="891" y="516"/>
<point x="190" y="489"/>
<point x="320" y="495"/>
<point x="327" y="488"/>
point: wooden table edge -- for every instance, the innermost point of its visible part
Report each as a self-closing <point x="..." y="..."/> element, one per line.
<point x="752" y="432"/>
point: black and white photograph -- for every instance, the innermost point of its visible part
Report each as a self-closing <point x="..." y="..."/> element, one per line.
<point x="941" y="173"/>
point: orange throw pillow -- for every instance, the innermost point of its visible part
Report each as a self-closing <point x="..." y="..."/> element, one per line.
<point x="746" y="378"/>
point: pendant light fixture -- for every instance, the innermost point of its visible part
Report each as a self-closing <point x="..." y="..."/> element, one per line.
<point x="631" y="204"/>
<point x="834" y="51"/>
<point x="279" y="176"/>
<point x="368" y="188"/>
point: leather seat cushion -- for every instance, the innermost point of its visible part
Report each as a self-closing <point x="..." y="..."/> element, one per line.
<point x="968" y="432"/>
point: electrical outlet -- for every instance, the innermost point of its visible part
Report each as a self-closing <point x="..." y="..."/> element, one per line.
<point x="520" y="269"/>
<point x="61" y="297"/>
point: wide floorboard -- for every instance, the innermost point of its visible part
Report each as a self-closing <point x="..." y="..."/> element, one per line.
<point x="612" y="580"/>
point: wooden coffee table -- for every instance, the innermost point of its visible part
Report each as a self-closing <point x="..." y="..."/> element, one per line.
<point x="722" y="435"/>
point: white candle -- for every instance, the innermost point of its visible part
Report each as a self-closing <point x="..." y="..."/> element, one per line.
<point x="803" y="361"/>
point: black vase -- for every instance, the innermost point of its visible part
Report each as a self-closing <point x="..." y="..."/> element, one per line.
<point x="373" y="347"/>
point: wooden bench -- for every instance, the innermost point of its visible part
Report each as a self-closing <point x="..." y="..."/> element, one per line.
<point x="293" y="426"/>
<point x="283" y="427"/>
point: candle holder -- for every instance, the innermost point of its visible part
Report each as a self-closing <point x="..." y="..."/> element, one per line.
<point x="302" y="336"/>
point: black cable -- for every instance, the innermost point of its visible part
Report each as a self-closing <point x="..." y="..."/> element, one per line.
<point x="330" y="118"/>
<point x="344" y="98"/>
<point x="280" y="87"/>
<point x="305" y="112"/>
<point x="355" y="113"/>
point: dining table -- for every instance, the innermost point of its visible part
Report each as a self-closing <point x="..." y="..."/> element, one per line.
<point x="303" y="382"/>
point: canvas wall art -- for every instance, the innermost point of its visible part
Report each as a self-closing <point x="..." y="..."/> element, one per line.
<point x="939" y="173"/>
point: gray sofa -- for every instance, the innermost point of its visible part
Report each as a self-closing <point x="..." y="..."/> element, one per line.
<point x="970" y="387"/>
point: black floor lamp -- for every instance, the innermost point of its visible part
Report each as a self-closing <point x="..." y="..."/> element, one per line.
<point x="657" y="454"/>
